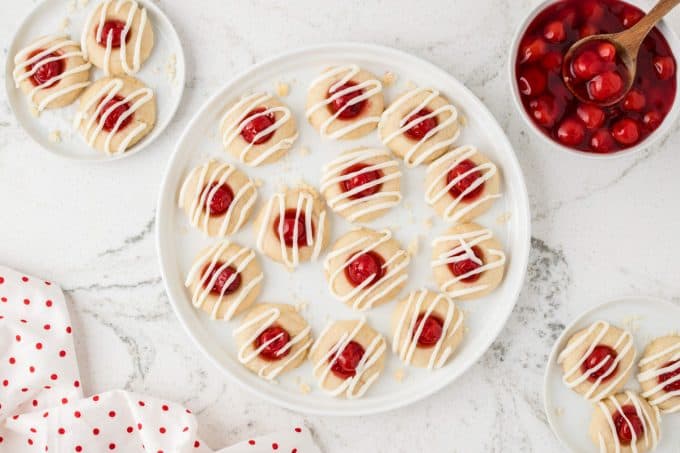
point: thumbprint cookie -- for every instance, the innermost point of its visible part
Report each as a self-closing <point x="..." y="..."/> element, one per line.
<point x="659" y="373"/>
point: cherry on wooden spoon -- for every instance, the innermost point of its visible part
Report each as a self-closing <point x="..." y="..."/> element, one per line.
<point x="600" y="69"/>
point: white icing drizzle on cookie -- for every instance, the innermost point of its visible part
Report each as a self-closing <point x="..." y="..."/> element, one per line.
<point x="405" y="340"/>
<point x="651" y="436"/>
<point x="364" y="296"/>
<point x="352" y="385"/>
<point x="22" y="62"/>
<point x="93" y="127"/>
<point x="673" y="353"/>
<point x="264" y="320"/>
<point x="370" y="87"/>
<point x="232" y="129"/>
<point x="333" y="174"/>
<point x="574" y="376"/>
<point x="137" y="55"/>
<point x="463" y="251"/>
<point x="203" y="268"/>
<point x="198" y="215"/>
<point x="443" y="166"/>
<point x="421" y="147"/>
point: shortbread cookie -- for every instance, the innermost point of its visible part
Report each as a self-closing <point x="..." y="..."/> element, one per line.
<point x="362" y="185"/>
<point x="51" y="72"/>
<point x="366" y="268"/>
<point x="115" y="113"/>
<point x="427" y="328"/>
<point x="292" y="227"/>
<point x="272" y="340"/>
<point x="348" y="357"/>
<point x="224" y="280"/>
<point x="597" y="360"/>
<point x="625" y="423"/>
<point x="462" y="184"/>
<point x="217" y="198"/>
<point x="118" y="37"/>
<point x="659" y="374"/>
<point x="345" y="102"/>
<point x="419" y="126"/>
<point x="258" y="129"/>
<point x="467" y="261"/>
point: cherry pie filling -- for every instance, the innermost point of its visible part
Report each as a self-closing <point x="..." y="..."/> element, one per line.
<point x="673" y="386"/>
<point x="421" y="128"/>
<point x="359" y="180"/>
<point x="220" y="201"/>
<point x="115" y="27"/>
<point x="337" y="104"/>
<point x="467" y="265"/>
<point x="222" y="279"/>
<point x="465" y="167"/>
<point x="433" y="327"/>
<point x="601" y="358"/>
<point x="360" y="268"/>
<point x="289" y="235"/>
<point x="345" y="365"/>
<point x="46" y="71"/>
<point x="279" y="338"/>
<point x="628" y="423"/>
<point x="114" y="114"/>
<point x="257" y="124"/>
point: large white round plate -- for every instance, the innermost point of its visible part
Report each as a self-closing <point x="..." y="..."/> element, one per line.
<point x="568" y="413"/>
<point x="178" y="242"/>
<point x="48" y="18"/>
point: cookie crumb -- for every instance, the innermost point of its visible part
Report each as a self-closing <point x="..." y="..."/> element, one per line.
<point x="413" y="246"/>
<point x="34" y="111"/>
<point x="301" y="305"/>
<point x="462" y="120"/>
<point x="305" y="388"/>
<point x="282" y="89"/>
<point x="559" y="411"/>
<point x="427" y="223"/>
<point x="632" y="323"/>
<point x="503" y="218"/>
<point x="55" y="136"/>
<point x="411" y="85"/>
<point x="171" y="67"/>
<point x="304" y="151"/>
<point x="258" y="182"/>
<point x="389" y="78"/>
<point x="71" y="6"/>
<point x="399" y="375"/>
<point x="65" y="24"/>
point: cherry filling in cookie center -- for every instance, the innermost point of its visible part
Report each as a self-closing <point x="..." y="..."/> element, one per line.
<point x="113" y="115"/>
<point x="626" y="426"/>
<point x="222" y="279"/>
<point x="420" y="129"/>
<point x="433" y="327"/>
<point x="46" y="71"/>
<point x="466" y="167"/>
<point x="294" y="230"/>
<point x="467" y="265"/>
<point x="360" y="268"/>
<point x="256" y="125"/>
<point x="673" y="386"/>
<point x="276" y="338"/>
<point x="115" y="28"/>
<point x="221" y="198"/>
<point x="337" y="104"/>
<point x="345" y="366"/>
<point x="598" y="363"/>
<point x="359" y="180"/>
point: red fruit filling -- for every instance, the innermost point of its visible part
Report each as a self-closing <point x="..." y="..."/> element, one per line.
<point x="257" y="124"/>
<point x="466" y="167"/>
<point x="673" y="386"/>
<point x="222" y="279"/>
<point x="277" y="338"/>
<point x="115" y="28"/>
<point x="467" y="265"/>
<point x="46" y="71"/>
<point x="361" y="267"/>
<point x="421" y="128"/>
<point x="344" y="101"/>
<point x="289" y="234"/>
<point x="345" y="366"/>
<point x="433" y="326"/>
<point x="627" y="423"/>
<point x="114" y="114"/>
<point x="220" y="201"/>
<point x="361" y="179"/>
<point x="600" y="359"/>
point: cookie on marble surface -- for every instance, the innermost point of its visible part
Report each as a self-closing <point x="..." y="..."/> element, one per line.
<point x="659" y="373"/>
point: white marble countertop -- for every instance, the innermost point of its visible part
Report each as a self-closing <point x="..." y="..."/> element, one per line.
<point x="601" y="229"/>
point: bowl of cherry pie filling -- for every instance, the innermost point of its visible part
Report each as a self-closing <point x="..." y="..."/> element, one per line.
<point x="538" y="72"/>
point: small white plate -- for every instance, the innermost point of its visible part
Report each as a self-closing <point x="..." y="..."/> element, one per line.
<point x="568" y="413"/>
<point x="46" y="18"/>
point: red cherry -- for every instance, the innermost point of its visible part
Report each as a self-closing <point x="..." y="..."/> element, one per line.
<point x="279" y="338"/>
<point x="588" y="30"/>
<point x="544" y="110"/>
<point x="605" y="86"/>
<point x="592" y="10"/>
<point x="256" y="125"/>
<point x="567" y="15"/>
<point x="345" y="366"/>
<point x="591" y="115"/>
<point x="606" y="51"/>
<point x="461" y="186"/>
<point x="533" y="51"/>
<point x="432" y="330"/>
<point x="115" y="27"/>
<point x="554" y="32"/>
<point x="351" y="111"/>
<point x="602" y="141"/>
<point x="289" y="224"/>
<point x="631" y="16"/>
<point x="673" y="386"/>
<point x="465" y="266"/>
<point x="360" y="268"/>
<point x="46" y="71"/>
<point x="634" y="101"/>
<point x="220" y="201"/>
<point x="652" y="119"/>
<point x="420" y="129"/>
<point x="626" y="131"/>
<point x="222" y="279"/>
<point x="601" y="358"/>
<point x="664" y="67"/>
<point x="552" y="61"/>
<point x="531" y="81"/>
<point x="585" y="65"/>
<point x="628" y="422"/>
<point x="359" y="180"/>
<point x="116" y="113"/>
<point x="571" y="132"/>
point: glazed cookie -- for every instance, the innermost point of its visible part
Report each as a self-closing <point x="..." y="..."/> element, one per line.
<point x="115" y="113"/>
<point x="625" y="423"/>
<point x="224" y="280"/>
<point x="366" y="268"/>
<point x="273" y="339"/>
<point x="292" y="227"/>
<point x="660" y="373"/>
<point x="597" y="360"/>
<point x="117" y="37"/>
<point x="419" y="126"/>
<point x="217" y="198"/>
<point x="462" y="184"/>
<point x="362" y="185"/>
<point x="348" y="357"/>
<point x="467" y="261"/>
<point x="345" y="102"/>
<point x="258" y="129"/>
<point x="51" y="72"/>
<point x="426" y="329"/>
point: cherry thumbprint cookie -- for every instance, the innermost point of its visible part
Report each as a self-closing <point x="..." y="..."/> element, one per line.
<point x="427" y="328"/>
<point x="118" y="37"/>
<point x="659" y="373"/>
<point x="218" y="198"/>
<point x="272" y="340"/>
<point x="467" y="261"/>
<point x="462" y="184"/>
<point x="624" y="423"/>
<point x="345" y="103"/>
<point x="292" y="227"/>
<point x="115" y="113"/>
<point x="597" y="360"/>
<point x="51" y="71"/>
<point x="224" y="280"/>
<point x="348" y="357"/>
<point x="366" y="268"/>
<point x="362" y="184"/>
<point x="258" y="129"/>
<point x="419" y="126"/>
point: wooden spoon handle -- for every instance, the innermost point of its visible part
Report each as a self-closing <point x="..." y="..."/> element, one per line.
<point x="633" y="37"/>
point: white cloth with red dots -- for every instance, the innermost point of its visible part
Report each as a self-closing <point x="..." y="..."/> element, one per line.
<point x="42" y="407"/>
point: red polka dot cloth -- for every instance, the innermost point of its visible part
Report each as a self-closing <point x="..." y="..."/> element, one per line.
<point x="42" y="407"/>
